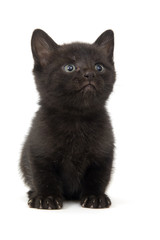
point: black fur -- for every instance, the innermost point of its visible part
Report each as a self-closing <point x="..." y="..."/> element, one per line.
<point x="69" y="150"/>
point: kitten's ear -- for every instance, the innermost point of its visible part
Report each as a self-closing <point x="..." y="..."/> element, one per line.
<point x="106" y="41"/>
<point x="43" y="47"/>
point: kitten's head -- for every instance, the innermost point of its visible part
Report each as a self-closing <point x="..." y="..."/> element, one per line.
<point x="76" y="76"/>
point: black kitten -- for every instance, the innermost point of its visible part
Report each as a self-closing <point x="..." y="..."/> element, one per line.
<point x="68" y="153"/>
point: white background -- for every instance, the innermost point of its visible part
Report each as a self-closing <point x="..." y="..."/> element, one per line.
<point x="134" y="109"/>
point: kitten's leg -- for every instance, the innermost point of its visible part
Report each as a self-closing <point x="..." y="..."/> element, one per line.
<point x="94" y="184"/>
<point x="47" y="188"/>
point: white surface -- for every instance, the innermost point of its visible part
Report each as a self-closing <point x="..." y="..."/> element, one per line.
<point x="134" y="108"/>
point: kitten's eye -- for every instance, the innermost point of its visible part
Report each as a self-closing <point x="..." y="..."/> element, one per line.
<point x="69" y="68"/>
<point x="99" y="67"/>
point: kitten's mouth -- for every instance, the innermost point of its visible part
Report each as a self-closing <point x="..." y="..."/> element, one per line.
<point x="88" y="87"/>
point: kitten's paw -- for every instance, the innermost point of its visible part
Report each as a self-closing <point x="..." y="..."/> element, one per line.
<point x="93" y="201"/>
<point x="49" y="202"/>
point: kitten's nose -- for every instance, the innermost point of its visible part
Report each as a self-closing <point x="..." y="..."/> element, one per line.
<point x="89" y="75"/>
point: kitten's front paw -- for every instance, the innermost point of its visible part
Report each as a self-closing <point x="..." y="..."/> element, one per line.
<point x="49" y="202"/>
<point x="93" y="201"/>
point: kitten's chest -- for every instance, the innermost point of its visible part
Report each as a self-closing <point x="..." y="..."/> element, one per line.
<point x="75" y="144"/>
<point x="76" y="138"/>
<point x="74" y="141"/>
<point x="73" y="134"/>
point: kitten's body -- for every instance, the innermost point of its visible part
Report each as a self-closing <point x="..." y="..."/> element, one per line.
<point x="68" y="153"/>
